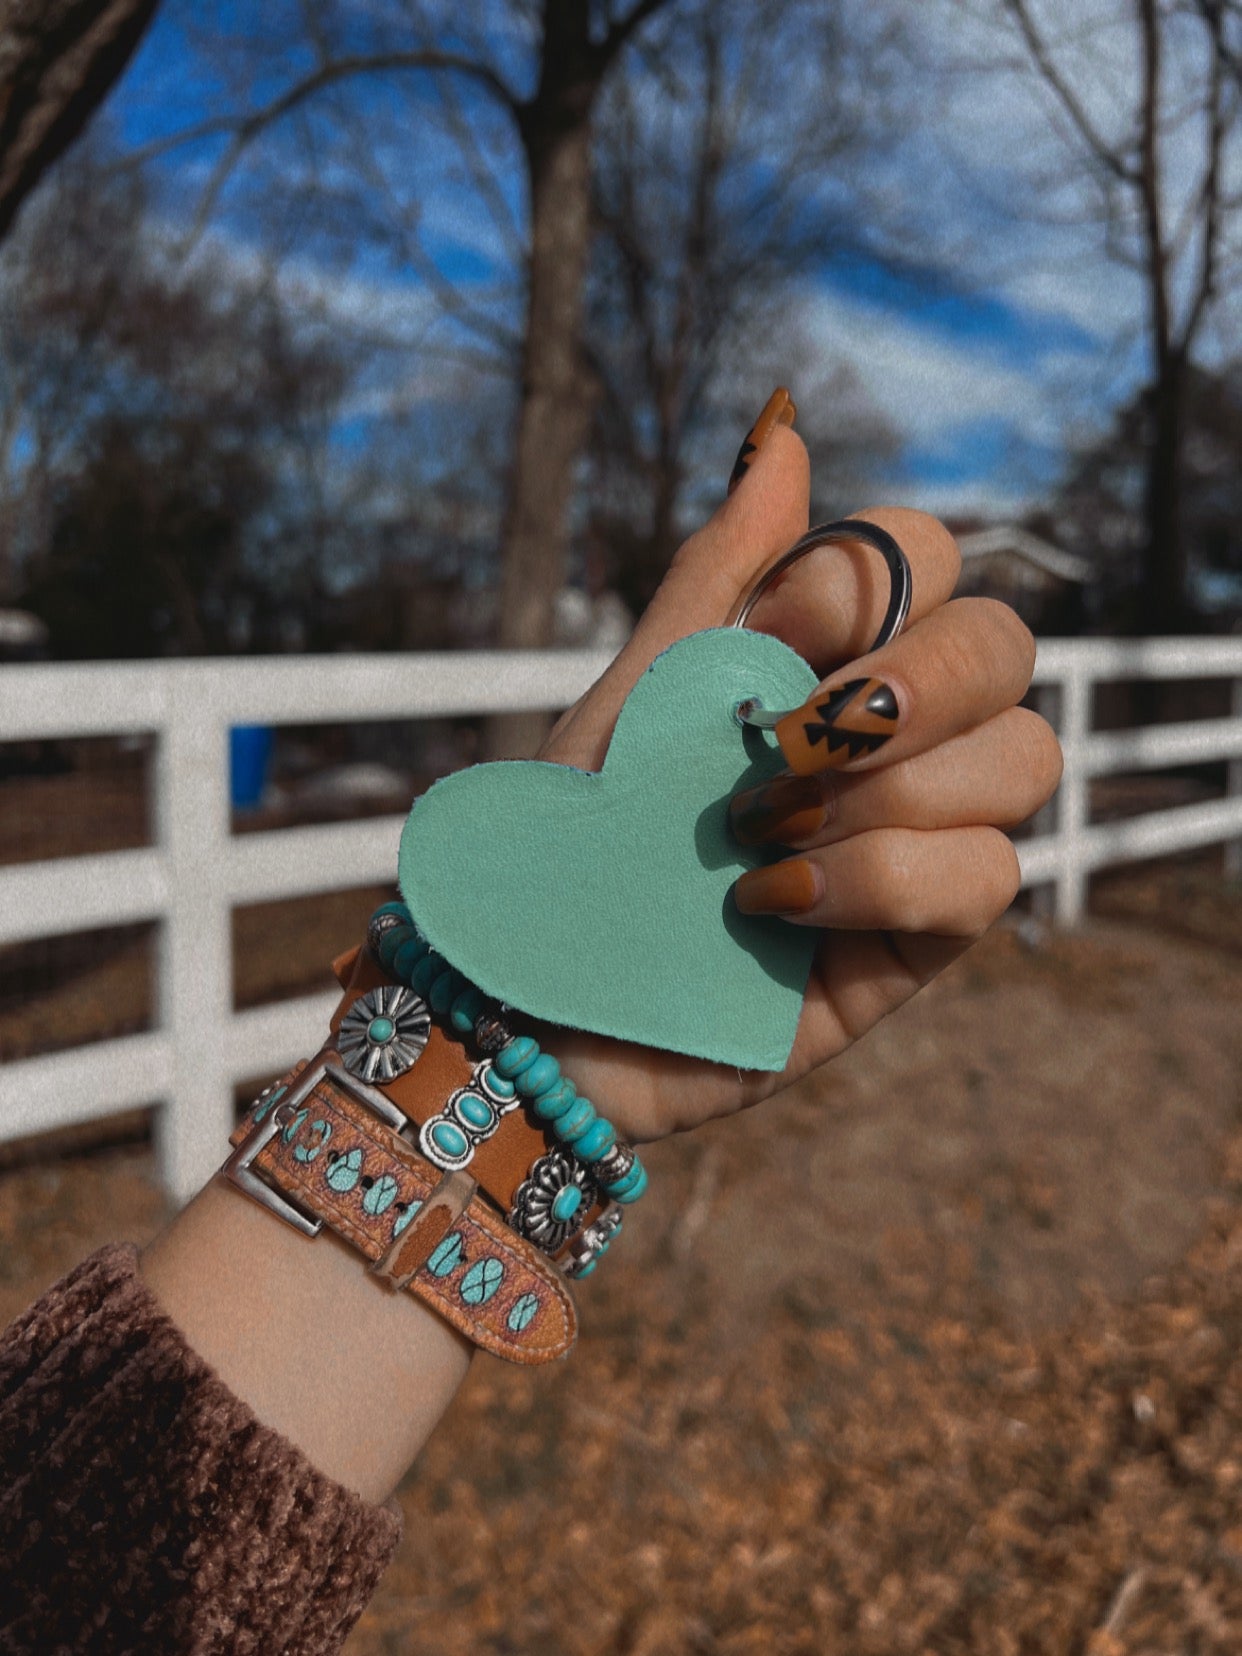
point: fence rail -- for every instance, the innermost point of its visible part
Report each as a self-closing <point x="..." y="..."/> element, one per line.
<point x="196" y="871"/>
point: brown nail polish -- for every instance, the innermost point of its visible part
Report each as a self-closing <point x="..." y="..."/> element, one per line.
<point x="787" y="809"/>
<point x="780" y="409"/>
<point x="839" y="726"/>
<point x="781" y="888"/>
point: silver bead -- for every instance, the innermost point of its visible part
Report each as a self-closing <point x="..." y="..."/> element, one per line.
<point x="381" y="1053"/>
<point x="593" y="1243"/>
<point x="615" y="1163"/>
<point x="491" y="1033"/>
<point x="377" y="926"/>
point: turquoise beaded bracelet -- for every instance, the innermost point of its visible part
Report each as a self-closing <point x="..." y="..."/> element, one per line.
<point x="516" y="1060"/>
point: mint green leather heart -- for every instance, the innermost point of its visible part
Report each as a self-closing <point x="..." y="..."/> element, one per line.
<point x="601" y="900"/>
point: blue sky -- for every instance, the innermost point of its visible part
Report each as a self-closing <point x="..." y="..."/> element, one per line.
<point x="985" y="369"/>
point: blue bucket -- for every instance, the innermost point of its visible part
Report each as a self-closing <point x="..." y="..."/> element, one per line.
<point x="250" y="750"/>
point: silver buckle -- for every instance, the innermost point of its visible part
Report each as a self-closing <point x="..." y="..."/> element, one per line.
<point x="238" y="1171"/>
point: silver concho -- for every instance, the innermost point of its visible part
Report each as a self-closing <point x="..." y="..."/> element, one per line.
<point x="593" y="1243"/>
<point x="542" y="1210"/>
<point x="471" y="1115"/>
<point x="384" y="1032"/>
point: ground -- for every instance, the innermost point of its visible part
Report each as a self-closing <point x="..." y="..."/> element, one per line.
<point x="937" y="1352"/>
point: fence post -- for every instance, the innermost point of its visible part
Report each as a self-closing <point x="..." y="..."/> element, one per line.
<point x="1233" y="788"/>
<point x="1075" y="728"/>
<point x="192" y="830"/>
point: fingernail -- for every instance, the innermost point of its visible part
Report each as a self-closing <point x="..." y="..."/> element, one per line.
<point x="780" y="409"/>
<point x="780" y="888"/>
<point x="787" y="809"/>
<point x="838" y="727"/>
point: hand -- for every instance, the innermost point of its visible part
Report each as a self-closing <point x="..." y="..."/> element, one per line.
<point x="899" y="856"/>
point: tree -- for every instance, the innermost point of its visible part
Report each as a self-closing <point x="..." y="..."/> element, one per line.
<point x="58" y="60"/>
<point x="715" y="212"/>
<point x="1098" y="511"/>
<point x="1178" y="65"/>
<point x="156" y="423"/>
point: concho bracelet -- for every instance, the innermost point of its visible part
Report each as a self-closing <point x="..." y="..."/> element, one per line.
<point x="448" y="1150"/>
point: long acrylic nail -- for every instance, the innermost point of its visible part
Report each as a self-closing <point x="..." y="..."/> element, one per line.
<point x="780" y="409"/>
<point x="781" y="888"/>
<point x="839" y="726"/>
<point x="785" y="810"/>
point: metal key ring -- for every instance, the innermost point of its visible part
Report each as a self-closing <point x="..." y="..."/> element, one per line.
<point x="832" y="534"/>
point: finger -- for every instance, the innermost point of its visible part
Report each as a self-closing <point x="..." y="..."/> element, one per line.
<point x="961" y="664"/>
<point x="954" y="882"/>
<point x="831" y="604"/>
<point x="999" y="774"/>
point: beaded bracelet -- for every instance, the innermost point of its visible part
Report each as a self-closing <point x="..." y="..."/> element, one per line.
<point x="518" y="1067"/>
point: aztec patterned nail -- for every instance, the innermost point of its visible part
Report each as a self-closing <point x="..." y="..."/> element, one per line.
<point x="781" y="888"/>
<point x="838" y="726"/>
<point x="785" y="810"/>
<point x="780" y="409"/>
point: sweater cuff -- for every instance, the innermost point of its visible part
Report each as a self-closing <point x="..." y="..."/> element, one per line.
<point x="143" y="1505"/>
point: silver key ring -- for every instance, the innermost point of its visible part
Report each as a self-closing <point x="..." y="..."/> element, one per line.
<point x="831" y="534"/>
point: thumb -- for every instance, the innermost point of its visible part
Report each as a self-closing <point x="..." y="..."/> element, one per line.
<point x="766" y="512"/>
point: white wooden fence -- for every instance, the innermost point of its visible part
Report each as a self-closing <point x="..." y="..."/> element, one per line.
<point x="196" y="870"/>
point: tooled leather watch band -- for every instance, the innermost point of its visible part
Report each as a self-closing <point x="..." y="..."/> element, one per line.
<point x="430" y="1233"/>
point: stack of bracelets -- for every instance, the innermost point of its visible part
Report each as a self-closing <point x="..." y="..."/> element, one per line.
<point x="463" y="1164"/>
<point x="518" y="1067"/>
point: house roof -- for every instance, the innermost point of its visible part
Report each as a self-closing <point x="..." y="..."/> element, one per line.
<point x="1021" y="543"/>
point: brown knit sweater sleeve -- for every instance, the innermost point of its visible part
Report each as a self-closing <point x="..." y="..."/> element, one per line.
<point x="144" y="1507"/>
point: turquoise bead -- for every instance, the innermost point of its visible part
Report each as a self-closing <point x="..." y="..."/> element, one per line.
<point x="550" y="1106"/>
<point x="407" y="957"/>
<point x="633" y="1191"/>
<point x="576" y="1120"/>
<point x="517" y="1056"/>
<point x="444" y="991"/>
<point x="585" y="1270"/>
<point x="448" y="1137"/>
<point x="465" y="1010"/>
<point x="426" y="969"/>
<point x="475" y="1111"/>
<point x="599" y="1138"/>
<point x="399" y="909"/>
<point x="391" y="941"/>
<point x="539" y="1077"/>
<point x="380" y="1030"/>
<point x="626" y="1179"/>
<point x="566" y="1204"/>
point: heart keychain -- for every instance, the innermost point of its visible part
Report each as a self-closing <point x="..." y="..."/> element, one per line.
<point x="601" y="900"/>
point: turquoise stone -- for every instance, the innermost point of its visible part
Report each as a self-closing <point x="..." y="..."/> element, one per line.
<point x="539" y="1077"/>
<point x="422" y="974"/>
<point x="399" y="909"/>
<point x="391" y="942"/>
<point x="585" y="1270"/>
<point x="474" y="1111"/>
<point x="633" y="1191"/>
<point x="380" y="1030"/>
<point x="325" y="1133"/>
<point x="448" y="1137"/>
<point x="567" y="1203"/>
<point x="381" y="1195"/>
<point x="444" y="991"/>
<point x="522" y="1312"/>
<point x="291" y="1131"/>
<point x="343" y="1174"/>
<point x="408" y="956"/>
<point x="550" y="1106"/>
<point x="465" y="1009"/>
<point x="626" y="1180"/>
<point x="598" y="1139"/>
<point x="482" y="1280"/>
<point x="576" y="1120"/>
<point x="447" y="1257"/>
<point x="516" y="1056"/>
<point x="497" y="1084"/>
<point x="403" y="1219"/>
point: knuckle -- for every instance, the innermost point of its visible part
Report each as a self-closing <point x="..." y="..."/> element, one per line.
<point x="891" y="874"/>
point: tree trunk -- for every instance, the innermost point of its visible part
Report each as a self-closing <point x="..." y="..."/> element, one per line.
<point x="58" y="59"/>
<point x="1164" y="601"/>
<point x="552" y="418"/>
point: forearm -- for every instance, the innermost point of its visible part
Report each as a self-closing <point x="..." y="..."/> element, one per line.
<point x="353" y="1373"/>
